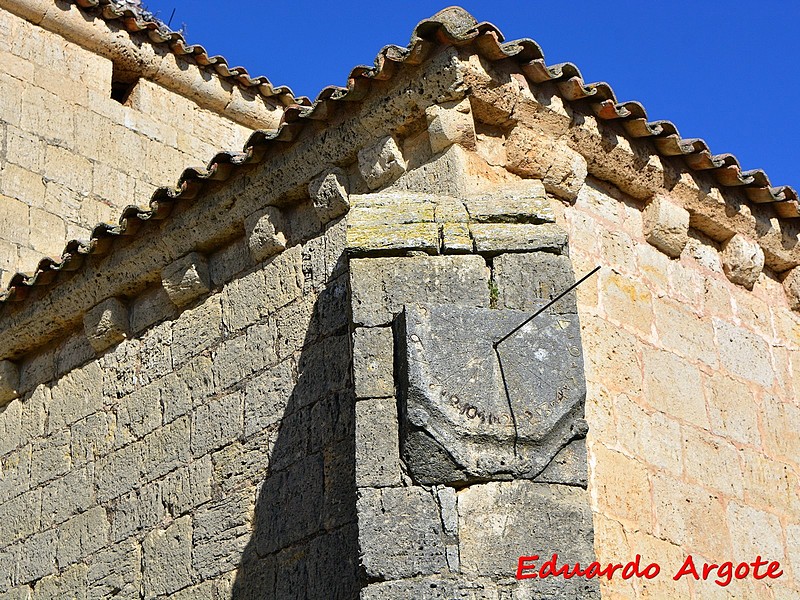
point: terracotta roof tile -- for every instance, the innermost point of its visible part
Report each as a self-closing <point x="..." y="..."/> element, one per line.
<point x="452" y="26"/>
<point x="134" y="19"/>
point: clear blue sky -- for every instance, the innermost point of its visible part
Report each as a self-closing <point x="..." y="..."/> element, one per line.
<point x="723" y="71"/>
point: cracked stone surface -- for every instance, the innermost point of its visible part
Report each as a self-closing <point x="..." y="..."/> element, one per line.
<point x="476" y="409"/>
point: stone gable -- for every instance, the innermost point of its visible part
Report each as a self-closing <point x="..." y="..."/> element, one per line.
<point x="339" y="364"/>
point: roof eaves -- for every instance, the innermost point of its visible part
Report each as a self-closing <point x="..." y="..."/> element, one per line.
<point x="452" y="26"/>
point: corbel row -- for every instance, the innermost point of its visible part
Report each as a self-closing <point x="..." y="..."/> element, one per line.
<point x="188" y="278"/>
<point x="666" y="226"/>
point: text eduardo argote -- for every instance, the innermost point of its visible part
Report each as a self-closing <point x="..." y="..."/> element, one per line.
<point x="529" y="567"/>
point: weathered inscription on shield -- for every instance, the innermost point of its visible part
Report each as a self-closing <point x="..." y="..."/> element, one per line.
<point x="475" y="409"/>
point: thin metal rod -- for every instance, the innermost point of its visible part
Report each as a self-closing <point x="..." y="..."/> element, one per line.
<point x="546" y="306"/>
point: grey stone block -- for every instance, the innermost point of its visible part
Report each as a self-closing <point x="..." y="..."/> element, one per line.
<point x="75" y="396"/>
<point x="35" y="557"/>
<point x="432" y="588"/>
<point x="155" y="353"/>
<point x="82" y="535"/>
<point x="242" y="301"/>
<point x="217" y="423"/>
<point x="221" y="532"/>
<point x="121" y="369"/>
<point x="186" y="279"/>
<point x="290" y="506"/>
<point x="37" y="369"/>
<point x="93" y="437"/>
<point x="187" y="487"/>
<point x="16" y="469"/>
<point x="196" y="330"/>
<point x="225" y="264"/>
<point x="448" y="509"/>
<point x="332" y="568"/>
<point x="67" y="496"/>
<point x="139" y="413"/>
<point x="186" y="388"/>
<point x="267" y="396"/>
<point x="495" y="238"/>
<point x="400" y="533"/>
<point x="17" y="593"/>
<point x="70" y="583"/>
<point x="118" y="472"/>
<point x="243" y="464"/>
<point x="7" y="572"/>
<point x="9" y="381"/>
<point x="260" y="344"/>
<point x="377" y="443"/>
<point x="373" y="362"/>
<point x="522" y="279"/>
<point x="72" y="353"/>
<point x="116" y="572"/>
<point x="50" y="457"/>
<point x="539" y="519"/>
<point x="10" y="425"/>
<point x="382" y="286"/>
<point x="526" y="202"/>
<point x="167" y="559"/>
<point x="471" y="410"/>
<point x="165" y="449"/>
<point x="137" y="512"/>
<point x="340" y="485"/>
<point x="21" y="517"/>
<point x="296" y="326"/>
<point x="34" y="418"/>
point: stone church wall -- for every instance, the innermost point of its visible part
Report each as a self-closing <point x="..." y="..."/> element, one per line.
<point x="249" y="420"/>
<point x="692" y="399"/>
<point x="71" y="156"/>
<point x="209" y="455"/>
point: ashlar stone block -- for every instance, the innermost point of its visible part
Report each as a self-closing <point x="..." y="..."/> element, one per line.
<point x="530" y="153"/>
<point x="533" y="515"/>
<point x="381" y="163"/>
<point x="372" y="362"/>
<point x="494" y="238"/>
<point x="742" y="260"/>
<point x="9" y="381"/>
<point x="456" y="238"/>
<point x="106" y="324"/>
<point x="432" y="588"/>
<point x="377" y="446"/>
<point x="666" y="226"/>
<point x="523" y="202"/>
<point x="400" y="533"/>
<point x="523" y="279"/>
<point x="381" y="286"/>
<point x="167" y="564"/>
<point x="186" y="279"/>
<point x="265" y="233"/>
